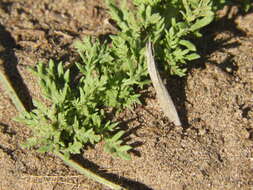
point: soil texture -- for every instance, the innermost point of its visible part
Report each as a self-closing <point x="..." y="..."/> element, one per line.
<point x="213" y="150"/>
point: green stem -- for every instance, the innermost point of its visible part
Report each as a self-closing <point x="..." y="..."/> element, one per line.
<point x="20" y="107"/>
<point x="89" y="173"/>
<point x="8" y="87"/>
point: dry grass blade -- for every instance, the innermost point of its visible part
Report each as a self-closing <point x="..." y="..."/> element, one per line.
<point x="163" y="96"/>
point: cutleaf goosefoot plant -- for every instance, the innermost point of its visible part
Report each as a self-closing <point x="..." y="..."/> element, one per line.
<point x="76" y="115"/>
<point x="170" y="25"/>
<point x="44" y="127"/>
<point x="167" y="24"/>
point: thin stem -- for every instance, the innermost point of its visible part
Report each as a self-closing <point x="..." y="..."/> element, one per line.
<point x="89" y="173"/>
<point x="8" y="87"/>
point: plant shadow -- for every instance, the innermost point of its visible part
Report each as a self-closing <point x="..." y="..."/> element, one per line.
<point x="7" y="44"/>
<point x="125" y="182"/>
<point x="209" y="44"/>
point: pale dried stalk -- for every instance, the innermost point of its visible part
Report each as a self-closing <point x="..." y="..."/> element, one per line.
<point x="162" y="94"/>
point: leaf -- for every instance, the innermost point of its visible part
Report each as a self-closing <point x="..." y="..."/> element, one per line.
<point x="110" y="126"/>
<point x="113" y="146"/>
<point x="124" y="155"/>
<point x="201" y="23"/>
<point x="124" y="148"/>
<point x="45" y="148"/>
<point x="66" y="76"/>
<point x="51" y="66"/>
<point x="30" y="142"/>
<point x="192" y="56"/>
<point x="74" y="148"/>
<point x="117" y="136"/>
<point x="60" y="69"/>
<point x="148" y="12"/>
<point x="188" y="45"/>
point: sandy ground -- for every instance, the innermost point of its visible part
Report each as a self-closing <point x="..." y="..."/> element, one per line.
<point x="212" y="150"/>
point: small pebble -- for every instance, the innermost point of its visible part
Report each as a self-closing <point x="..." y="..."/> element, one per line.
<point x="202" y="132"/>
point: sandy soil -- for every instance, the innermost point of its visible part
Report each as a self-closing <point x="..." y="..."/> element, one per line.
<point x="214" y="148"/>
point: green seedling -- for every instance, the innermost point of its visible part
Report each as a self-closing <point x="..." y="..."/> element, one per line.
<point x="49" y="123"/>
<point x="75" y="115"/>
<point x="167" y="24"/>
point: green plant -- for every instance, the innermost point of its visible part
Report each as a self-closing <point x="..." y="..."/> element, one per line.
<point x="75" y="115"/>
<point x="48" y="128"/>
<point x="168" y="24"/>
